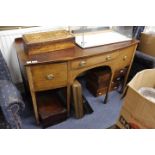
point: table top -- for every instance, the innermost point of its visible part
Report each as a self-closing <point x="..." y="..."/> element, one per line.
<point x="67" y="54"/>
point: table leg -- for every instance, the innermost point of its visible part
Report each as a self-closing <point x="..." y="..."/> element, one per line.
<point x="68" y="98"/>
<point x="108" y="89"/>
<point x="35" y="107"/>
<point x="33" y="95"/>
<point x="125" y="81"/>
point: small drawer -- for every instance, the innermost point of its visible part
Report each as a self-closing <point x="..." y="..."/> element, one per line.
<point x="101" y="92"/>
<point x="49" y="76"/>
<point x="118" y="79"/>
<point x="114" y="86"/>
<point x="86" y="62"/>
<point x="121" y="72"/>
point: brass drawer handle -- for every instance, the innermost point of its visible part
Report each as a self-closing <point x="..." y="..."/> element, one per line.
<point x="115" y="88"/>
<point x="121" y="71"/>
<point x="82" y="63"/>
<point x="50" y="77"/>
<point x="118" y="79"/>
<point x="125" y="57"/>
<point x="108" y="57"/>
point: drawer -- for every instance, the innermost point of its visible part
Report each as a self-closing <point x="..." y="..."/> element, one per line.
<point x="99" y="75"/>
<point x="96" y="91"/>
<point x="49" y="76"/>
<point x="86" y="62"/>
<point x="121" y="72"/>
<point x="114" y="86"/>
<point x="101" y="91"/>
<point x="125" y="56"/>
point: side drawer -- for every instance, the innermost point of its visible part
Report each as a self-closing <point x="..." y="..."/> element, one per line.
<point x="125" y="56"/>
<point x="90" y="61"/>
<point x="48" y="76"/>
<point x="121" y="72"/>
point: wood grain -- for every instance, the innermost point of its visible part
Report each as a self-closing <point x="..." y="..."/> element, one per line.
<point x="49" y="36"/>
<point x="37" y="49"/>
<point x="43" y="42"/>
<point x="64" y="65"/>
<point x="40" y="75"/>
<point x="33" y="95"/>
<point x="69" y="54"/>
<point x="77" y="64"/>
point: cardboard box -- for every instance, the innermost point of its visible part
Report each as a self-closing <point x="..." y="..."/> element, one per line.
<point x="147" y="43"/>
<point x="137" y="111"/>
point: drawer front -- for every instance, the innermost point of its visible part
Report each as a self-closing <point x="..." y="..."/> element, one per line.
<point x="49" y="76"/>
<point x="86" y="62"/>
<point x="96" y="91"/>
<point x="125" y="56"/>
<point x="114" y="85"/>
<point x="121" y="72"/>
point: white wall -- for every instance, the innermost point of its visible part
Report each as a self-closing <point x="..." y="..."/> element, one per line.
<point x="9" y="52"/>
<point x="149" y="29"/>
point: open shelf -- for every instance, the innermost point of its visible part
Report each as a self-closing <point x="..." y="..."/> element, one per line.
<point x="50" y="107"/>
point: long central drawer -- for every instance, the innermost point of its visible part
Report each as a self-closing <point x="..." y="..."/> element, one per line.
<point x="48" y="76"/>
<point x="90" y="61"/>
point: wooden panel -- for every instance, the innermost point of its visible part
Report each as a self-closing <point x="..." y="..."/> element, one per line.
<point x="81" y="63"/>
<point x="100" y="75"/>
<point x="46" y="36"/>
<point x="50" y="108"/>
<point x="77" y="99"/>
<point x="33" y="95"/>
<point x="125" y="57"/>
<point x="37" y="49"/>
<point x="101" y="91"/>
<point x="121" y="72"/>
<point x="49" y="76"/>
<point x="43" y="42"/>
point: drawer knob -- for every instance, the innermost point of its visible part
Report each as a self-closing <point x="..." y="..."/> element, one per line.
<point x="125" y="57"/>
<point x="118" y="79"/>
<point x="50" y="77"/>
<point x="108" y="57"/>
<point x="121" y="71"/>
<point x="82" y="63"/>
<point x="115" y="88"/>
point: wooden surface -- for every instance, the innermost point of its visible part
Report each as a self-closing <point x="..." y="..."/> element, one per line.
<point x="78" y="99"/>
<point x="99" y="75"/>
<point x="33" y="94"/>
<point x="97" y="80"/>
<point x="75" y="61"/>
<point x="47" y="76"/>
<point x="69" y="54"/>
<point x="44" y="42"/>
<point x="42" y="37"/>
<point x="50" y="108"/>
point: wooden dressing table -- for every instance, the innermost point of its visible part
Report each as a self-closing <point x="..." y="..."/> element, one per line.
<point x="59" y="69"/>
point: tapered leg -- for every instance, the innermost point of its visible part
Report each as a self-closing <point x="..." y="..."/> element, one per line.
<point x="108" y="89"/>
<point x="68" y="98"/>
<point x="33" y="95"/>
